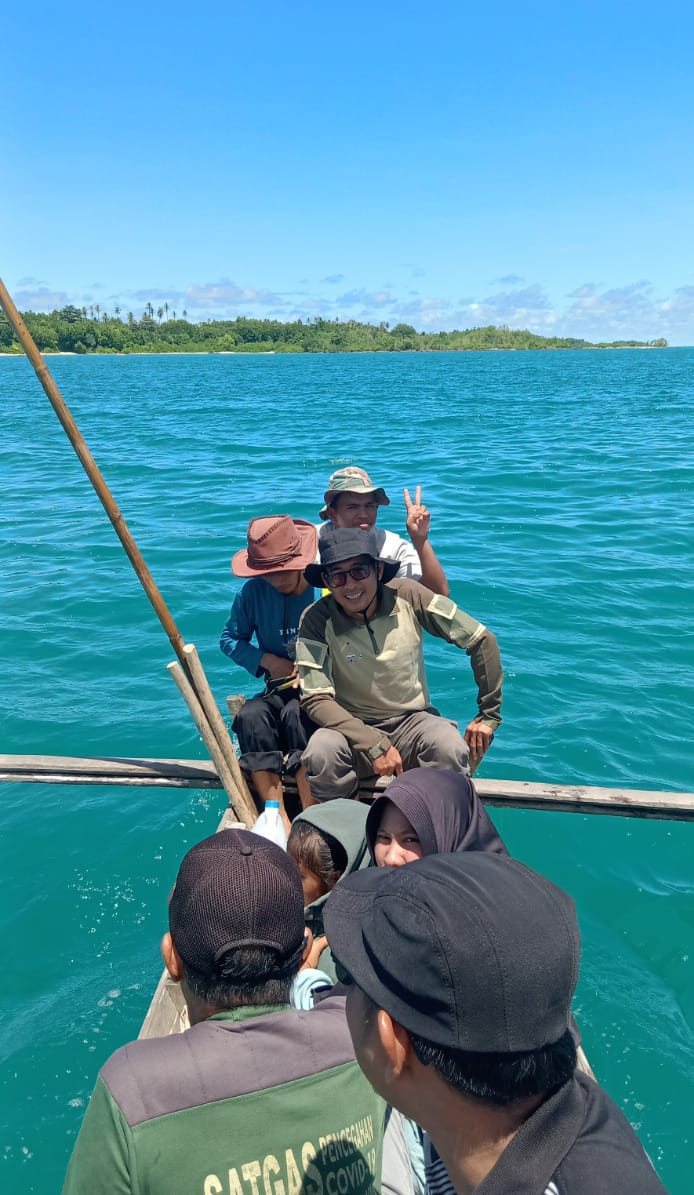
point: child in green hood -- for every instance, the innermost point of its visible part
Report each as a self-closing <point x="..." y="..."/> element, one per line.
<point x="327" y="842"/>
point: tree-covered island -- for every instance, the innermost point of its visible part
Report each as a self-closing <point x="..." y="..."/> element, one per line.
<point x="94" y="330"/>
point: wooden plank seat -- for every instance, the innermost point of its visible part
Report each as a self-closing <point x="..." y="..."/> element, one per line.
<point x="201" y="773"/>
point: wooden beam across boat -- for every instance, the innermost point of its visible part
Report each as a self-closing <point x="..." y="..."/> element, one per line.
<point x="201" y="773"/>
<point x="106" y="769"/>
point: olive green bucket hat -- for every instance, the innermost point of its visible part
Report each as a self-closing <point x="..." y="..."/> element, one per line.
<point x="351" y="480"/>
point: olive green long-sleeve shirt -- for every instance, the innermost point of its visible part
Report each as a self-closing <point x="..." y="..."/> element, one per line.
<point x="355" y="674"/>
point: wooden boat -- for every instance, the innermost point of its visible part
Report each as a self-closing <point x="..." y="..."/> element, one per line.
<point x="167" y="1013"/>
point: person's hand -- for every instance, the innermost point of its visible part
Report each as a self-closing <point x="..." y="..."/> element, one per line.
<point x="277" y="666"/>
<point x="388" y="764"/>
<point x="418" y="518"/>
<point x="318" y="946"/>
<point x="478" y="736"/>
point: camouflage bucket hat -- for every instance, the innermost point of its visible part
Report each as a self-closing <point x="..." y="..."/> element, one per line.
<point x="351" y="480"/>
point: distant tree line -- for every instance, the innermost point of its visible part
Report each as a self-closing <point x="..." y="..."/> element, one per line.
<point x="94" y="330"/>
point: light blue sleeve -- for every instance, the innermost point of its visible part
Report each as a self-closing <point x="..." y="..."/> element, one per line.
<point x="236" y="636"/>
<point x="307" y="982"/>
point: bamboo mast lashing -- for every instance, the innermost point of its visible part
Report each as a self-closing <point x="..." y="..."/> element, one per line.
<point x="242" y="803"/>
<point x="237" y="790"/>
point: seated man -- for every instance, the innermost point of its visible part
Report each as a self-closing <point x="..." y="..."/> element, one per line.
<point x="255" y="1094"/>
<point x="352" y="501"/>
<point x="270" y="727"/>
<point x="463" y="968"/>
<point x="361" y="668"/>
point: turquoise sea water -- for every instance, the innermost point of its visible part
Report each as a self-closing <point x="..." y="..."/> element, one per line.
<point x="561" y="492"/>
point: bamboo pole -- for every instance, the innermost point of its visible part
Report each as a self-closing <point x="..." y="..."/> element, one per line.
<point x="215" y="719"/>
<point x="93" y="473"/>
<point x="243" y="807"/>
<point x="206" y="709"/>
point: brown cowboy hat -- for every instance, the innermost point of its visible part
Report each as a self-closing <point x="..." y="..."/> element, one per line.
<point x="276" y="543"/>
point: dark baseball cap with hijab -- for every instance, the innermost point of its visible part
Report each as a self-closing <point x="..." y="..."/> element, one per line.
<point x="443" y="809"/>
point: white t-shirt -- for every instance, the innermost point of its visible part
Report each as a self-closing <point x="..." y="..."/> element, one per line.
<point x="391" y="547"/>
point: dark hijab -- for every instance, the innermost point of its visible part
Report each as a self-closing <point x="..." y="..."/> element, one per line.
<point x="443" y="809"/>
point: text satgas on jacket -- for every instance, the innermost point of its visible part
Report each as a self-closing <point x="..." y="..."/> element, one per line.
<point x="344" y="1163"/>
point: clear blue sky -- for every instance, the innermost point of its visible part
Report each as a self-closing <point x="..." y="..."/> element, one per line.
<point x="442" y="164"/>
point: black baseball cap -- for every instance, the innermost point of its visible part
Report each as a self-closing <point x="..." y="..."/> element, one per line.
<point x="336" y="544"/>
<point x="236" y="889"/>
<point x="470" y="951"/>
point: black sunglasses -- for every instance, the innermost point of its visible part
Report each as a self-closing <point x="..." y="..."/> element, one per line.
<point x="359" y="572"/>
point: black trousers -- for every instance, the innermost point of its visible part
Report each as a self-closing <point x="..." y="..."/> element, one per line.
<point x="268" y="729"/>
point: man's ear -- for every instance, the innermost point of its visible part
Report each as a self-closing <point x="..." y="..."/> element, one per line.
<point x="379" y="571"/>
<point x="308" y="943"/>
<point x="395" y="1042"/>
<point x="172" y="959"/>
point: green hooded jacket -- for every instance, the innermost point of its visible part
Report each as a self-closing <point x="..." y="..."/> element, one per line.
<point x="346" y="821"/>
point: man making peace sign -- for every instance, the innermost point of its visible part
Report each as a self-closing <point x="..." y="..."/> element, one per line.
<point x="351" y="500"/>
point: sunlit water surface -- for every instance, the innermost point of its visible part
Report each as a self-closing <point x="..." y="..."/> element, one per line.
<point x="560" y="486"/>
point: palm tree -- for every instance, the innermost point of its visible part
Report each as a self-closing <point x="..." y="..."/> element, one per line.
<point x="117" y="311"/>
<point x="185" y="313"/>
<point x="160" y="312"/>
<point x="166" y="309"/>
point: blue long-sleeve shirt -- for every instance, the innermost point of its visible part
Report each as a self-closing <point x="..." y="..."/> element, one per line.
<point x="272" y="617"/>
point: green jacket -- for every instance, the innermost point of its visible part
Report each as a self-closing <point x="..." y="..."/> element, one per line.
<point x="355" y="675"/>
<point x="253" y="1101"/>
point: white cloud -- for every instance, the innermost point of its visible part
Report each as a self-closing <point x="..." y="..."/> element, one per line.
<point x="154" y="294"/>
<point x="629" y="312"/>
<point x="375" y="298"/>
<point x="590" y="310"/>
<point x="41" y="299"/>
<point x="424" y="313"/>
<point x="225" y="295"/>
<point x="625" y="312"/>
<point x="516" y="308"/>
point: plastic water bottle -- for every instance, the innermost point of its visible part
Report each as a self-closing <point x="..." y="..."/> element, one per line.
<point x="270" y="825"/>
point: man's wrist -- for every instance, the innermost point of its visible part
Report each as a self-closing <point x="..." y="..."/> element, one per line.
<point x="378" y="750"/>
